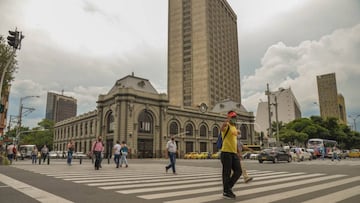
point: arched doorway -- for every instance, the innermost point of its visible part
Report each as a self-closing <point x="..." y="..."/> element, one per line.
<point x="145" y="135"/>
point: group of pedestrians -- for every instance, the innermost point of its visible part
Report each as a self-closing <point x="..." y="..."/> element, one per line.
<point x="120" y="153"/>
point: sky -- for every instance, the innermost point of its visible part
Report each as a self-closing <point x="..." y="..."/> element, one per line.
<point x="81" y="47"/>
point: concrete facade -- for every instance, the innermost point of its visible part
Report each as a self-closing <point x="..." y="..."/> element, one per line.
<point x="134" y="113"/>
<point x="287" y="106"/>
<point x="203" y="55"/>
<point x="331" y="103"/>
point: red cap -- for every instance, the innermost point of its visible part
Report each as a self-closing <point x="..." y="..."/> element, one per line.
<point x="232" y="114"/>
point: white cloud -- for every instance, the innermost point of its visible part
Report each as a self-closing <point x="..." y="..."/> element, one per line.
<point x="298" y="66"/>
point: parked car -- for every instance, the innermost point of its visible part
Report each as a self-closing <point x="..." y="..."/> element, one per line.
<point x="274" y="154"/>
<point x="246" y="155"/>
<point x="254" y="155"/>
<point x="354" y="153"/>
<point x="78" y="155"/>
<point x="203" y="155"/>
<point x="304" y="154"/>
<point x="53" y="155"/>
<point x="216" y="155"/>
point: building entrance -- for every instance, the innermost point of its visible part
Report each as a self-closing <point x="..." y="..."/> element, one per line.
<point x="145" y="148"/>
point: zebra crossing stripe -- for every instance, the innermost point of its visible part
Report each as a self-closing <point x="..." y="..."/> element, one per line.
<point x="137" y="177"/>
<point x="153" y="189"/>
<point x="256" y="190"/>
<point x="292" y="193"/>
<point x="158" y="179"/>
<point x="214" y="189"/>
<point x="31" y="191"/>
<point x="337" y="196"/>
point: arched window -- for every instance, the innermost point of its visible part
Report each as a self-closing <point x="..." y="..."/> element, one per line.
<point x="244" y="132"/>
<point x="189" y="130"/>
<point x="174" y="128"/>
<point x="215" y="131"/>
<point x="110" y="123"/>
<point x="203" y="131"/>
<point x="145" y="122"/>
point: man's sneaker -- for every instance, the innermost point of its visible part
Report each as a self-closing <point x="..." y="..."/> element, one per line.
<point x="229" y="195"/>
<point x="248" y="179"/>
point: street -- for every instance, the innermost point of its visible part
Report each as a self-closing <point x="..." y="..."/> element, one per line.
<point x="197" y="181"/>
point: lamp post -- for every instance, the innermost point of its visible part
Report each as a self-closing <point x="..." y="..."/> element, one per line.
<point x="21" y="107"/>
<point x="354" y="117"/>
<point x="268" y="93"/>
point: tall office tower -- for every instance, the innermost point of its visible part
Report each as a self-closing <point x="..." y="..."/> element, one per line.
<point x="331" y="103"/>
<point x="203" y="55"/>
<point x="60" y="107"/>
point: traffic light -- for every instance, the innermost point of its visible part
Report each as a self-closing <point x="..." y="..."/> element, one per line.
<point x="13" y="39"/>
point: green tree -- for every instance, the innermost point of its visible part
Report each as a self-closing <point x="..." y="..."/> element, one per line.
<point x="40" y="135"/>
<point x="5" y="56"/>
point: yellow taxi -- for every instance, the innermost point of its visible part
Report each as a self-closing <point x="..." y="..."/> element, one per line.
<point x="216" y="155"/>
<point x="190" y="155"/>
<point x="203" y="155"/>
<point x="354" y="153"/>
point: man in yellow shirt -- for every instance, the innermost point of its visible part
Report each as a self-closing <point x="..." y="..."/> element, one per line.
<point x="229" y="155"/>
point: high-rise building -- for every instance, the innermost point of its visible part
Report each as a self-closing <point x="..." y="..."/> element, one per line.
<point x="60" y="107"/>
<point x="203" y="55"/>
<point x="331" y="103"/>
<point x="286" y="105"/>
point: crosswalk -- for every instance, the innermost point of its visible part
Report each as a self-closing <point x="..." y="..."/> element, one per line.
<point x="149" y="182"/>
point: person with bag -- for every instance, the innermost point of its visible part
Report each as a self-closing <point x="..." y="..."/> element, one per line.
<point x="70" y="147"/>
<point x="124" y="152"/>
<point x="97" y="149"/>
<point x="229" y="155"/>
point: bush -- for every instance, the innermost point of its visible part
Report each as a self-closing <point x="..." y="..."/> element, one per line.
<point x="4" y="160"/>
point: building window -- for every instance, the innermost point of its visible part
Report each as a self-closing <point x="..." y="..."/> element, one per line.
<point x="203" y="131"/>
<point x="110" y="123"/>
<point x="174" y="128"/>
<point x="189" y="130"/>
<point x="215" y="131"/>
<point x="145" y="122"/>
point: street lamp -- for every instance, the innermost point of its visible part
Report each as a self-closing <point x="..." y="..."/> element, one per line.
<point x="354" y="117"/>
<point x="268" y="93"/>
<point x="21" y="107"/>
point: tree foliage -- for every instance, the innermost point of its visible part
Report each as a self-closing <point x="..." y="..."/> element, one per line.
<point x="5" y="56"/>
<point x="300" y="130"/>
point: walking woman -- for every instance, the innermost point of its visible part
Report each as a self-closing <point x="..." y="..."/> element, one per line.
<point x="97" y="148"/>
<point x="124" y="153"/>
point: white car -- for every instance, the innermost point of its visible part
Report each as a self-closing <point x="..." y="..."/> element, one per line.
<point x="304" y="154"/>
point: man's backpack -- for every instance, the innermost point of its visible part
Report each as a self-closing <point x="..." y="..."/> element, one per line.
<point x="220" y="141"/>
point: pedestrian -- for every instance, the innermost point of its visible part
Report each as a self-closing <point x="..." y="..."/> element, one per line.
<point x="34" y="153"/>
<point x="124" y="153"/>
<point x="229" y="155"/>
<point x="116" y="149"/>
<point x="171" y="152"/>
<point x="10" y="149"/>
<point x="44" y="152"/>
<point x="335" y="154"/>
<point x="298" y="152"/>
<point x="70" y="151"/>
<point x="97" y="149"/>
<point x="242" y="147"/>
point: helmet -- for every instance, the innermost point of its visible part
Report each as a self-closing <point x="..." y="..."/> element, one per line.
<point x="232" y="114"/>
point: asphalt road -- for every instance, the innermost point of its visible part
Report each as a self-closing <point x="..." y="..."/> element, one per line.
<point x="57" y="182"/>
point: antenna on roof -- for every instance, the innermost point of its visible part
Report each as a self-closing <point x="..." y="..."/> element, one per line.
<point x="132" y="74"/>
<point x="62" y="92"/>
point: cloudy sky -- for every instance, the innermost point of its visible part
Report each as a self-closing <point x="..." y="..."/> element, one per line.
<point x="83" y="46"/>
